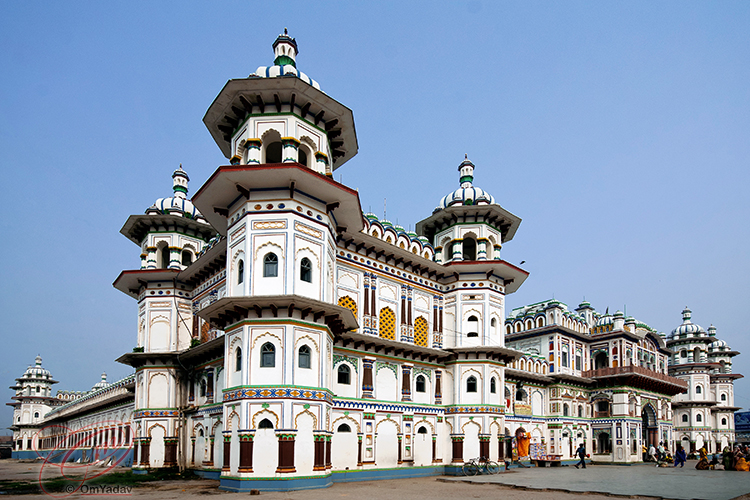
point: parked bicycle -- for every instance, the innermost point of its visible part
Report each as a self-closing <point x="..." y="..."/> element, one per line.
<point x="480" y="465"/>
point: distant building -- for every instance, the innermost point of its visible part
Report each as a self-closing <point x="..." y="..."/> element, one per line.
<point x="742" y="426"/>
<point x="285" y="337"/>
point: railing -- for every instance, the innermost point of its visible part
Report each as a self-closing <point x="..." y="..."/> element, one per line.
<point x="601" y="414"/>
<point x="632" y="369"/>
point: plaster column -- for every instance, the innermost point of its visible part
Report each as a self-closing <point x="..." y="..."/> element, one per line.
<point x="367" y="381"/>
<point x="226" y="450"/>
<point x="484" y="445"/>
<point x="253" y="151"/>
<point x="406" y="382"/>
<point x="144" y="260"/>
<point x="145" y="449"/>
<point x="151" y="258"/>
<point x="458" y="448"/>
<point x="246" y="451"/>
<point x="170" y="451"/>
<point x="286" y="451"/>
<point x="359" y="449"/>
<point x="400" y="447"/>
<point x="174" y="257"/>
<point x="291" y="146"/>
<point x="210" y="385"/>
<point x="458" y="250"/>
<point x="321" y="163"/>
<point x="192" y="451"/>
<point x="438" y="387"/>
<point x="319" y="460"/>
<point x="328" y="450"/>
<point x="434" y="449"/>
<point x="136" y="452"/>
<point x="482" y="244"/>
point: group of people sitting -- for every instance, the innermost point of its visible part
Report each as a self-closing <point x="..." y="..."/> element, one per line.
<point x="730" y="460"/>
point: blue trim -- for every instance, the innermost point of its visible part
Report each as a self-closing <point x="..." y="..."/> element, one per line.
<point x="123" y="455"/>
<point x="347" y="476"/>
<point x="275" y="484"/>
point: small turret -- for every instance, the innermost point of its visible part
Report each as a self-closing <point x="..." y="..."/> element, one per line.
<point x="285" y="50"/>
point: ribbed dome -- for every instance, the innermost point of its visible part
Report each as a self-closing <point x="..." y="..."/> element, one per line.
<point x="467" y="194"/>
<point x="178" y="204"/>
<point x="718" y="345"/>
<point x="285" y="62"/>
<point x="36" y="371"/>
<point x="607" y="319"/>
<point x="102" y="383"/>
<point x="687" y="328"/>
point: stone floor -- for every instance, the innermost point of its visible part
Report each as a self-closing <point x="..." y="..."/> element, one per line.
<point x="639" y="480"/>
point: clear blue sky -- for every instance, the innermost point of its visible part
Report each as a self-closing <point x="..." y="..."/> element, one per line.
<point x="617" y="131"/>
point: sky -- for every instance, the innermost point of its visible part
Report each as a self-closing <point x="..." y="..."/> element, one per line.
<point x="618" y="132"/>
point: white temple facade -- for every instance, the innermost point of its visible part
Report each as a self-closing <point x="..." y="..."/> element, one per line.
<point x="287" y="340"/>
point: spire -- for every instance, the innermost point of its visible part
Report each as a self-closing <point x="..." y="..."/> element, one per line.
<point x="180" y="183"/>
<point x="686" y="313"/>
<point x="285" y="50"/>
<point x="466" y="168"/>
<point x="38" y="361"/>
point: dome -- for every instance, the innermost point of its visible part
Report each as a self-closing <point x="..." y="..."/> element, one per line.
<point x="687" y="328"/>
<point x="178" y="204"/>
<point x="36" y="371"/>
<point x="467" y="194"/>
<point x="285" y="62"/>
<point x="102" y="383"/>
<point x="605" y="320"/>
<point x="718" y="345"/>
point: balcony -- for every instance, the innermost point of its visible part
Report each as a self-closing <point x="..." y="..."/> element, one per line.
<point x="638" y="377"/>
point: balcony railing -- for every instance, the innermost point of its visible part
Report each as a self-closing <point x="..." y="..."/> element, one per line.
<point x="632" y="369"/>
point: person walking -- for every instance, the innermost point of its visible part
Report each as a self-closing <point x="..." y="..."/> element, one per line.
<point x="581" y="452"/>
<point x="680" y="456"/>
<point x="651" y="453"/>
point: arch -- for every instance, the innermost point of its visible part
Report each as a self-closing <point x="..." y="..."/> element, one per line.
<point x="264" y="413"/>
<point x="469" y="247"/>
<point x="187" y="257"/>
<point x="238" y="359"/>
<point x="421" y="332"/>
<point x="270" y="265"/>
<point x="387" y="322"/>
<point x="265" y="424"/>
<point x="306" y="412"/>
<point x="304" y="356"/>
<point x="601" y="360"/>
<point x="268" y="355"/>
<point x="271" y="147"/>
<point x="240" y="271"/>
<point x="343" y="374"/>
<point x="347" y="418"/>
<point x="349" y="303"/>
<point x="305" y="270"/>
<point x="398" y="427"/>
<point x="162" y="255"/>
<point x="420" y="384"/>
<point x="471" y="384"/>
<point x="540" y="322"/>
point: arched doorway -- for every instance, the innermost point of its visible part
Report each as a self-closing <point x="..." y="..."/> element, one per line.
<point x="649" y="428"/>
<point x="603" y="443"/>
<point x="601" y="360"/>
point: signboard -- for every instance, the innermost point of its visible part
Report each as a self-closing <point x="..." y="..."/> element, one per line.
<point x="742" y="426"/>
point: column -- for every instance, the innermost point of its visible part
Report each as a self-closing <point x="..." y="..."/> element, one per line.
<point x="192" y="451"/>
<point x="170" y="451"/>
<point x="482" y="248"/>
<point x="211" y="442"/>
<point x="400" y="447"/>
<point x="290" y="145"/>
<point x="458" y="249"/>
<point x="367" y="382"/>
<point x="497" y="252"/>
<point x="321" y="163"/>
<point x="246" y="451"/>
<point x="227" y="435"/>
<point x="210" y="385"/>
<point x="175" y="257"/>
<point x="144" y="260"/>
<point x="359" y="449"/>
<point x="373" y="307"/>
<point x="319" y="460"/>
<point x="438" y="387"/>
<point x="328" y="449"/>
<point x="151" y="257"/>
<point x="484" y="445"/>
<point x="145" y="449"/>
<point x="500" y="448"/>
<point x="409" y="320"/>
<point x="434" y="450"/>
<point x="253" y="151"/>
<point x="286" y="451"/>
<point x="136" y="452"/>
<point x="458" y="448"/>
<point x="406" y="382"/>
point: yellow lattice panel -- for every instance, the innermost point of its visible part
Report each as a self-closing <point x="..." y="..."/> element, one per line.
<point x="421" y="335"/>
<point x="387" y="323"/>
<point x="349" y="303"/>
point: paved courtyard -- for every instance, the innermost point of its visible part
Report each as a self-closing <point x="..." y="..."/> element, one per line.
<point x="596" y="482"/>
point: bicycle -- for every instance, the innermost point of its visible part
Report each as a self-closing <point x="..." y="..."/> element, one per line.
<point x="480" y="465"/>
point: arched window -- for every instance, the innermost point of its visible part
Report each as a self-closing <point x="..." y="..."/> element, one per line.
<point x="493" y="385"/>
<point x="698" y="389"/>
<point x="520" y="395"/>
<point x="470" y="249"/>
<point x="203" y="388"/>
<point x="265" y="424"/>
<point x="187" y="258"/>
<point x="344" y="428"/>
<point x="473" y="324"/>
<point x="699" y="418"/>
<point x="422" y="430"/>
<point x="578" y="360"/>
<point x="723" y="421"/>
<point x="344" y="375"/>
<point x="421" y="384"/>
<point x="471" y="384"/>
<point x="304" y="357"/>
<point x="684" y="418"/>
<point x="270" y="265"/>
<point x="238" y="360"/>
<point x="580" y="411"/>
<point x="240" y="272"/>
<point x="683" y="353"/>
<point x="268" y="355"/>
<point x="565" y="356"/>
<point x="165" y="257"/>
<point x="36" y="414"/>
<point x="302" y="156"/>
<point x="723" y="397"/>
<point x="305" y="270"/>
<point x="273" y="152"/>
<point x="566" y="410"/>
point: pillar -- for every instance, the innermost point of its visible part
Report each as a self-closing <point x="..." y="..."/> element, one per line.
<point x="192" y="451"/>
<point x="145" y="450"/>
<point x="211" y="442"/>
<point x="367" y="382"/>
<point x="438" y="387"/>
<point x="286" y="451"/>
<point x="290" y="146"/>
<point x="246" y="451"/>
<point x="484" y="446"/>
<point x="151" y="257"/>
<point x="458" y="448"/>
<point x="136" y="452"/>
<point x="434" y="450"/>
<point x="497" y="252"/>
<point x="175" y="254"/>
<point x="482" y="248"/>
<point x="406" y="382"/>
<point x="227" y="435"/>
<point x="319" y="460"/>
<point x="328" y="450"/>
<point x="170" y="451"/>
<point x="210" y="385"/>
<point x="400" y="447"/>
<point x="253" y="151"/>
<point x="321" y="163"/>
<point x="500" y="448"/>
<point x="458" y="250"/>
<point x="359" y="449"/>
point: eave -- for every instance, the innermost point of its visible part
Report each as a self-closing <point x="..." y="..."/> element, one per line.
<point x="513" y="374"/>
<point x="130" y="282"/>
<point x="494" y="215"/>
<point x="512" y="276"/>
<point x="139" y="359"/>
<point x="137" y="227"/>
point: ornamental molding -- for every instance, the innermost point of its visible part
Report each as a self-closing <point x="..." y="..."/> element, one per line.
<point x="276" y="224"/>
<point x="302" y="228"/>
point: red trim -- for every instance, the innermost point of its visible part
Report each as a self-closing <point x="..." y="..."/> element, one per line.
<point x="271" y="166"/>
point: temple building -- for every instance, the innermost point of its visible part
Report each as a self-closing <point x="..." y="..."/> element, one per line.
<point x="288" y="340"/>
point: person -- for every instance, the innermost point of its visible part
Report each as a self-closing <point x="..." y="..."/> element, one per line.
<point x="727" y="458"/>
<point x="662" y="452"/>
<point x="737" y="455"/>
<point x="680" y="456"/>
<point x="651" y="453"/>
<point x="581" y="452"/>
<point x="703" y="462"/>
